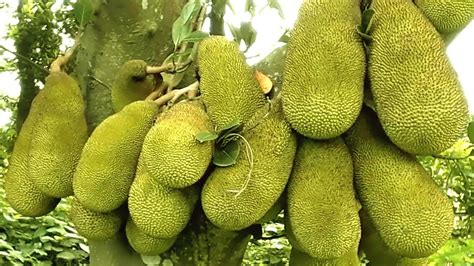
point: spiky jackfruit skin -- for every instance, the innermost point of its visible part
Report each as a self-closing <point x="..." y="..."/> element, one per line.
<point x="447" y="16"/>
<point x="21" y="193"/>
<point x="60" y="134"/>
<point x="131" y="84"/>
<point x="228" y="86"/>
<point x="157" y="210"/>
<point x="321" y="198"/>
<point x="107" y="166"/>
<point x="386" y="179"/>
<point x="94" y="225"/>
<point x="145" y="244"/>
<point x="324" y="71"/>
<point x="273" y="147"/>
<point x="172" y="154"/>
<point x="416" y="92"/>
<point x="299" y="258"/>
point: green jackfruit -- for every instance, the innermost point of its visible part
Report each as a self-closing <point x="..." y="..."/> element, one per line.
<point x="60" y="133"/>
<point x="299" y="258"/>
<point x="107" y="166"/>
<point x="131" y="84"/>
<point x="21" y="193"/>
<point x="324" y="71"/>
<point x="447" y="16"/>
<point x="172" y="154"/>
<point x="157" y="210"/>
<point x="386" y="180"/>
<point x="94" y="225"/>
<point x="228" y="86"/>
<point x="145" y="244"/>
<point x="416" y="92"/>
<point x="321" y="199"/>
<point x="273" y="212"/>
<point x="273" y="146"/>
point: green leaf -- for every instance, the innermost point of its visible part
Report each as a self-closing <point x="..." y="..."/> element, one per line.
<point x="83" y="12"/>
<point x="195" y="36"/>
<point x="470" y="132"/>
<point x="285" y="37"/>
<point x="66" y="255"/>
<point x="367" y="18"/>
<point x="227" y="155"/>
<point x="248" y="33"/>
<point x="276" y="5"/>
<point x="187" y="11"/>
<point x="206" y="136"/>
<point x="234" y="124"/>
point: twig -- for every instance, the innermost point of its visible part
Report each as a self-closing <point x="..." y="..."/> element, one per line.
<point x="100" y="82"/>
<point x="166" y="67"/>
<point x="272" y="237"/>
<point x="250" y="160"/>
<point x="158" y="92"/>
<point x="175" y="94"/>
<point x="24" y="58"/>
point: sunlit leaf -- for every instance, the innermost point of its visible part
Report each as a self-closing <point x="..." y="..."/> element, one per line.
<point x="83" y="12"/>
<point x="227" y="155"/>
<point x="206" y="136"/>
<point x="195" y="36"/>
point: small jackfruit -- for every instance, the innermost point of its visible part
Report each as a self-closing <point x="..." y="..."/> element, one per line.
<point x="447" y="16"/>
<point x="157" y="210"/>
<point x="322" y="210"/>
<point x="131" y="84"/>
<point x="172" y="154"/>
<point x="237" y="196"/>
<point x="324" y="71"/>
<point x="94" y="225"/>
<point x="386" y="179"/>
<point x="299" y="258"/>
<point x="145" y="244"/>
<point x="417" y="95"/>
<point x="60" y="132"/>
<point x="228" y="86"/>
<point x="107" y="166"/>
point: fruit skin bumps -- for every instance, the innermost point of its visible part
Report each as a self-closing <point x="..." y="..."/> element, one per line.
<point x="324" y="71"/>
<point x="386" y="180"/>
<point x="321" y="199"/>
<point x="228" y="87"/>
<point x="299" y="258"/>
<point x="145" y="244"/>
<point x="416" y="92"/>
<point x="60" y="132"/>
<point x="107" y="166"/>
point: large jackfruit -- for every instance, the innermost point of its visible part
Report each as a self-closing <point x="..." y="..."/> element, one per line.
<point x="299" y="258"/>
<point x="273" y="146"/>
<point x="447" y="16"/>
<point x="321" y="199"/>
<point x="228" y="86"/>
<point x="21" y="193"/>
<point x="157" y="210"/>
<point x="107" y="166"/>
<point x="386" y="181"/>
<point x="172" y="154"/>
<point x="131" y="84"/>
<point x="94" y="225"/>
<point x="60" y="132"/>
<point x="324" y="71"/>
<point x="145" y="244"/>
<point x="416" y="92"/>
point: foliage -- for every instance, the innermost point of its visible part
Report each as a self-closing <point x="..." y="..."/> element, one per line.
<point x="455" y="252"/>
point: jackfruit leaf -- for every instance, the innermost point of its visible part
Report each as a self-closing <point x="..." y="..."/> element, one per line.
<point x="151" y="260"/>
<point x="231" y="126"/>
<point x="367" y="18"/>
<point x="226" y="155"/>
<point x="195" y="36"/>
<point x="276" y="5"/>
<point x="285" y="37"/>
<point x="250" y="7"/>
<point x="83" y="12"/>
<point x="364" y="36"/>
<point x="470" y="131"/>
<point x="177" y="31"/>
<point x="248" y="33"/>
<point x="206" y="136"/>
<point x="187" y="11"/>
<point x="235" y="32"/>
<point x="67" y="255"/>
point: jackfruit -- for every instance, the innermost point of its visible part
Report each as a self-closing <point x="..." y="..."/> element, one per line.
<point x="107" y="166"/>
<point x="229" y="89"/>
<point x="131" y="84"/>
<point x="324" y="71"/>
<point x="172" y="154"/>
<point x="321" y="199"/>
<point x="417" y="95"/>
<point x="145" y="244"/>
<point x="21" y="193"/>
<point x="299" y="258"/>
<point x="94" y="225"/>
<point x="386" y="179"/>
<point x="60" y="134"/>
<point x="237" y="196"/>
<point x="447" y="16"/>
<point x="273" y="212"/>
<point x="157" y="210"/>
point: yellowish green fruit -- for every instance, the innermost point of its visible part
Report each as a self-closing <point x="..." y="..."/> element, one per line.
<point x="145" y="244"/>
<point x="172" y="154"/>
<point x="237" y="196"/>
<point x="273" y="212"/>
<point x="321" y="206"/>
<point x="94" y="225"/>
<point x="228" y="86"/>
<point x="131" y="84"/>
<point x="417" y="95"/>
<point x="157" y="210"/>
<point x="60" y="132"/>
<point x="299" y="258"/>
<point x="414" y="218"/>
<point x="324" y="71"/>
<point x="107" y="166"/>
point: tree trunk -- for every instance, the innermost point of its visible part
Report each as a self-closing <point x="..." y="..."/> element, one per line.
<point x="132" y="29"/>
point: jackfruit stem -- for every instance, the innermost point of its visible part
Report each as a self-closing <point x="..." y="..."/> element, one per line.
<point x="158" y="92"/>
<point x="249" y="154"/>
<point x="173" y="95"/>
<point x="170" y="67"/>
<point x="59" y="62"/>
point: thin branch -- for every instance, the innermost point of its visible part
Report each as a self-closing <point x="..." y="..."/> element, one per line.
<point x="250" y="159"/>
<point x="170" y="67"/>
<point x="272" y="237"/>
<point x="24" y="58"/>
<point x="175" y="94"/>
<point x="158" y="92"/>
